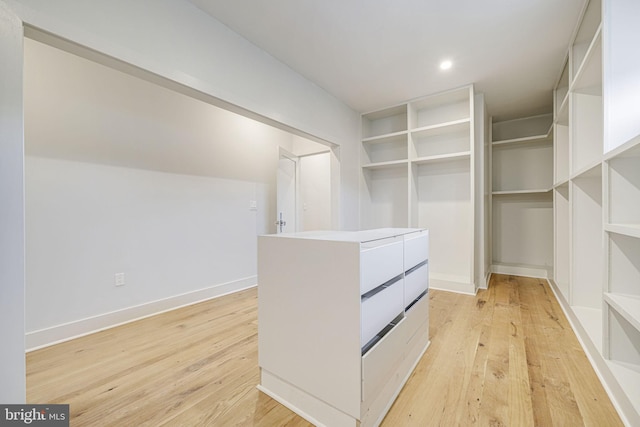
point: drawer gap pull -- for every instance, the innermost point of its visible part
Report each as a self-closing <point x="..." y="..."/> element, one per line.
<point x="377" y="289"/>
<point x="412" y="269"/>
<point x="416" y="300"/>
<point x="381" y="334"/>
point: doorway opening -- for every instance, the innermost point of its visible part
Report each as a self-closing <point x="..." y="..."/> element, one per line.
<point x="141" y="194"/>
<point x="304" y="191"/>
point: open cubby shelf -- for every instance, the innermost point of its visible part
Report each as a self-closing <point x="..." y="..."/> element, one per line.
<point x="522" y="201"/>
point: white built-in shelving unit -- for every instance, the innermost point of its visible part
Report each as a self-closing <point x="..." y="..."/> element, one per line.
<point x="522" y="199"/>
<point x="621" y="317"/>
<point x="596" y="194"/>
<point x="417" y="163"/>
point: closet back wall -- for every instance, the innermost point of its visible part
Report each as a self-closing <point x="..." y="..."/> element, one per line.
<point x="123" y="176"/>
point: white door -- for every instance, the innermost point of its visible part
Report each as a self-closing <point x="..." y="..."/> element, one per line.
<point x="314" y="190"/>
<point x="286" y="198"/>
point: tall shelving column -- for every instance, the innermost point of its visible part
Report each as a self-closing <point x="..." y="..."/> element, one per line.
<point x="597" y="196"/>
<point x="561" y="224"/>
<point x="522" y="201"/>
<point x="621" y="170"/>
<point x="586" y="138"/>
<point x="418" y="171"/>
<point x="384" y="162"/>
<point x="441" y="152"/>
<point x="622" y="288"/>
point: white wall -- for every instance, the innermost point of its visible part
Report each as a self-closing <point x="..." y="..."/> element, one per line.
<point x="170" y="234"/>
<point x="80" y="110"/>
<point x="125" y="176"/>
<point x="12" y="362"/>
<point x="176" y="40"/>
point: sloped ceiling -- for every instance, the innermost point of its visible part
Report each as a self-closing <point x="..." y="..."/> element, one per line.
<point x="376" y="53"/>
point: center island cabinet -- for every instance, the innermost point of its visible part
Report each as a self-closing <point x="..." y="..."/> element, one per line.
<point x="343" y="319"/>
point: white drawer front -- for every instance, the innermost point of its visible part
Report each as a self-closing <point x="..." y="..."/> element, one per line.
<point x="382" y="360"/>
<point x="416" y="248"/>
<point x="417" y="316"/>
<point x="377" y="311"/>
<point x="415" y="283"/>
<point x="380" y="264"/>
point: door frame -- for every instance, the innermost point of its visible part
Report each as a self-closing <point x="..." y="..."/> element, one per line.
<point x="283" y="153"/>
<point x="334" y="184"/>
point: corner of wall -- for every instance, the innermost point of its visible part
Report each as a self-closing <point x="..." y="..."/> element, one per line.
<point x="12" y="230"/>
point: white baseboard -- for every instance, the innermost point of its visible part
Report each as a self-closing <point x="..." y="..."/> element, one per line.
<point x="309" y="407"/>
<point x="67" y="331"/>
<point x="451" y="284"/>
<point x="521" y="270"/>
<point x="487" y="280"/>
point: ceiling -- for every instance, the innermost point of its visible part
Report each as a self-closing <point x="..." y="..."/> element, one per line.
<point x="375" y="53"/>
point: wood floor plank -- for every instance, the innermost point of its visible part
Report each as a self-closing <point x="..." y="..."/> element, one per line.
<point x="533" y="345"/>
<point x="520" y="403"/>
<point x="470" y="413"/>
<point x="494" y="409"/>
<point x="506" y="356"/>
<point x="553" y="336"/>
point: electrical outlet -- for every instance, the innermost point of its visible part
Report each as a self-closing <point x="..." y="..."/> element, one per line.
<point x="119" y="279"/>
<point x="253" y="205"/>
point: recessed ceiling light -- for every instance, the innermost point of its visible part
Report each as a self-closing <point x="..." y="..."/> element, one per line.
<point x="445" y="65"/>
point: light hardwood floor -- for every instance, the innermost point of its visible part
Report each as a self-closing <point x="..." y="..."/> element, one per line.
<point x="506" y="357"/>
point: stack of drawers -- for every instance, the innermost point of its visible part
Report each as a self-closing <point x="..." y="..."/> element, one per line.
<point x="342" y="326"/>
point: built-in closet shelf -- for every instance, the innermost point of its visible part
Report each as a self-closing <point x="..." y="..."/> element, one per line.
<point x="629" y="149"/>
<point x="628" y="377"/>
<point x="440" y="109"/>
<point x="631" y="230"/>
<point x="593" y="170"/>
<point x="628" y="307"/>
<point x="588" y="78"/>
<point x="387" y="148"/>
<point x="516" y="192"/>
<point x="441" y="128"/>
<point x="528" y="139"/>
<point x="442" y="158"/>
<point x="385" y="165"/>
<point x="391" y="137"/>
<point x="562" y="183"/>
<point x="385" y="122"/>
